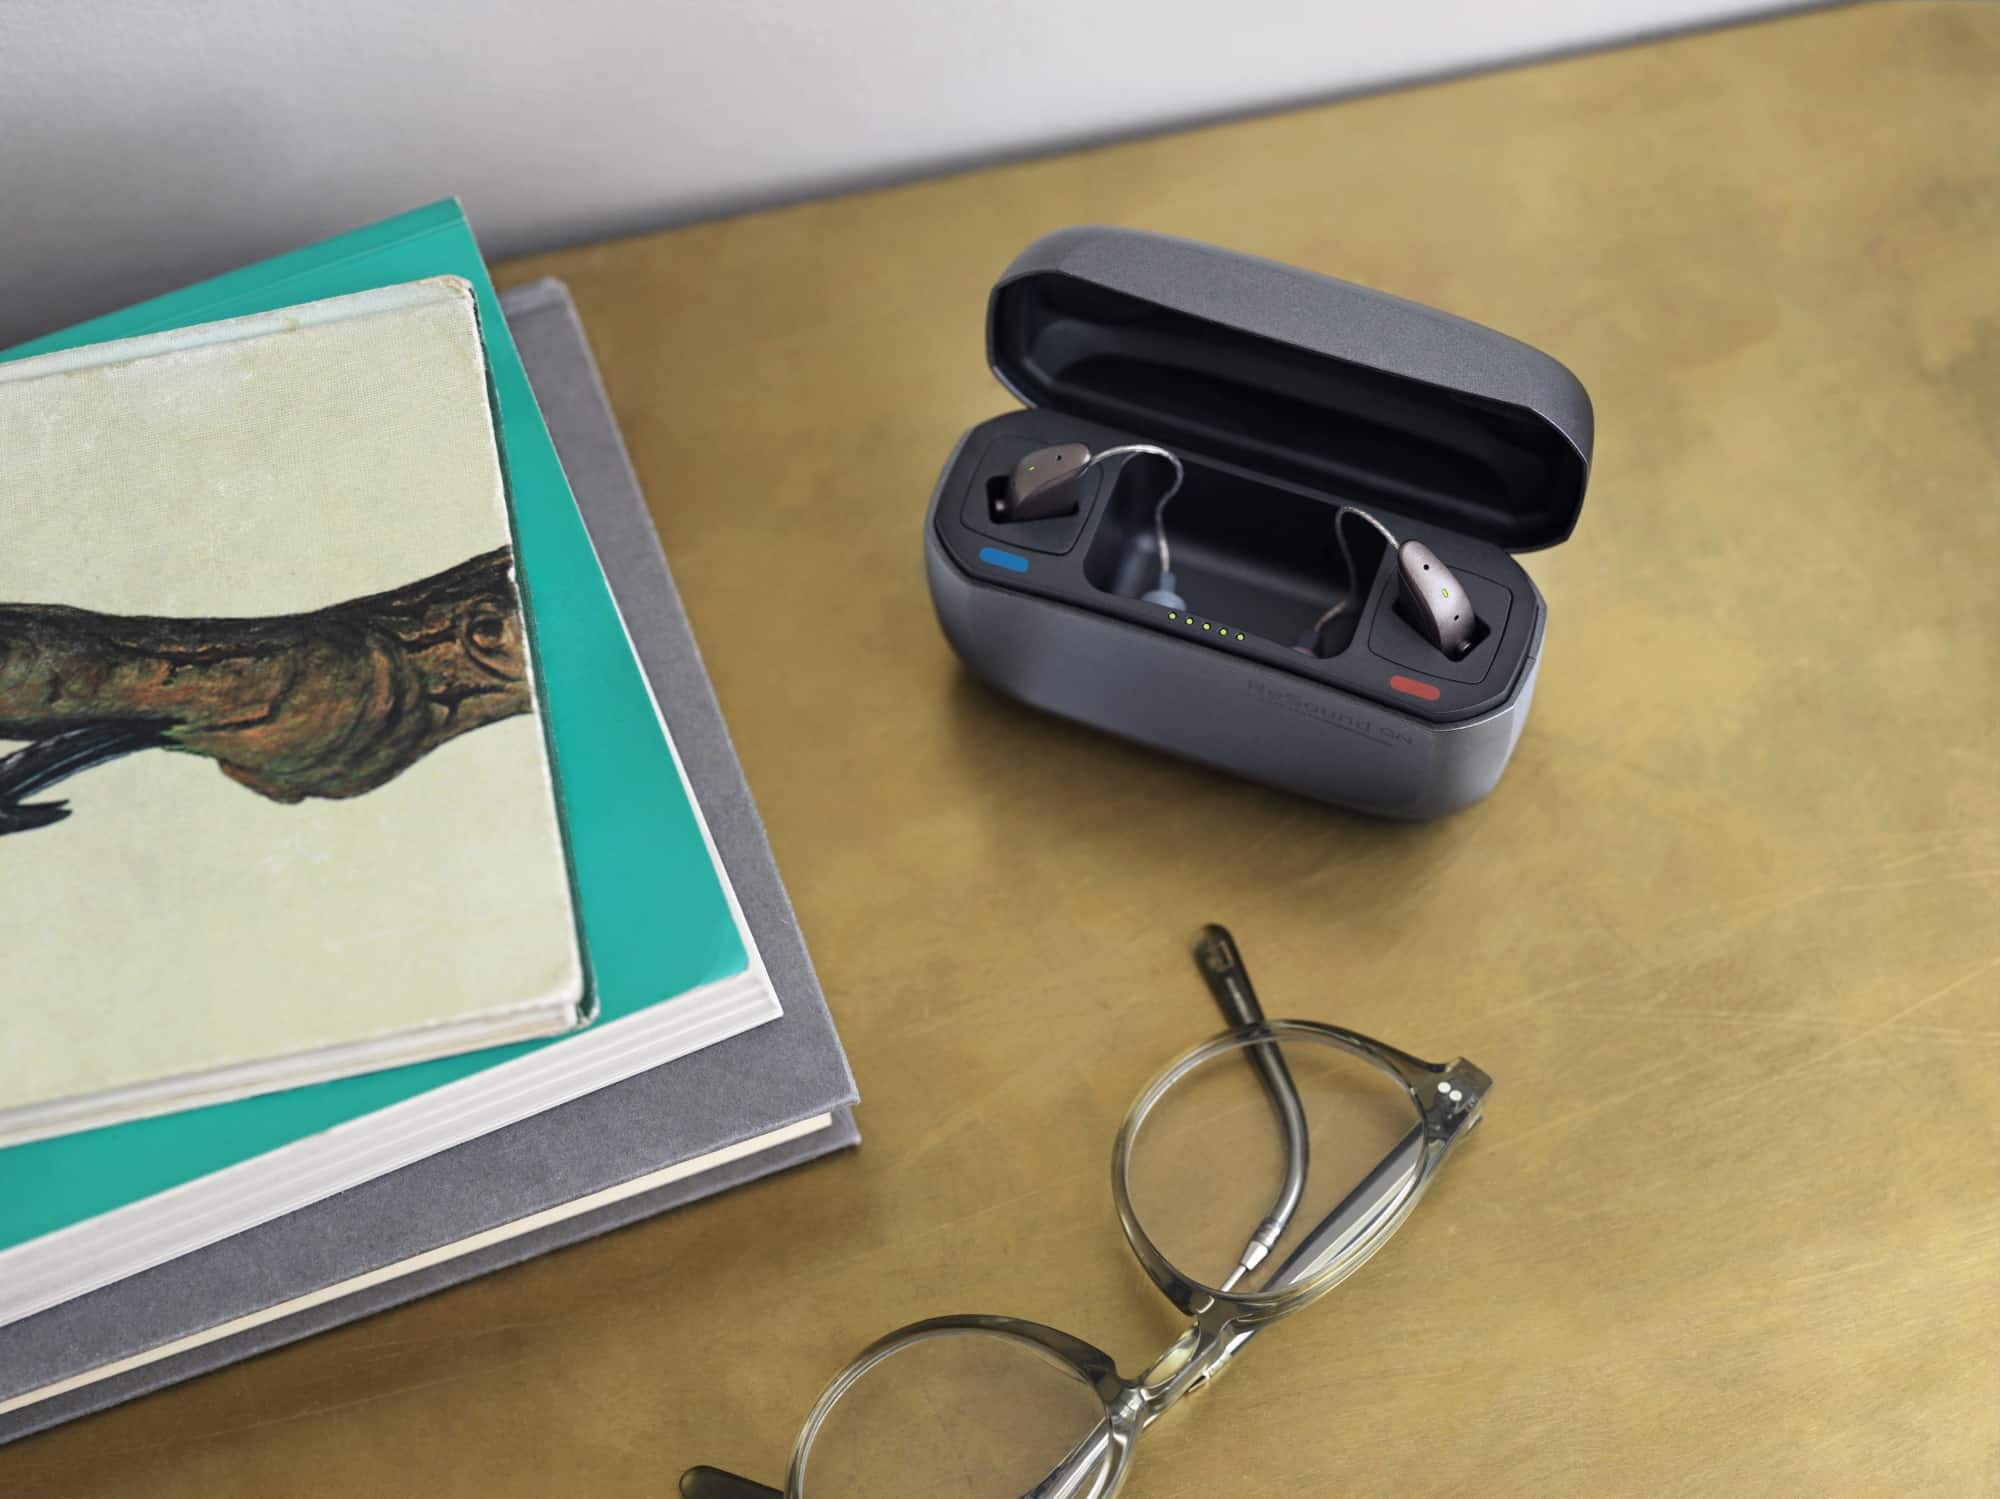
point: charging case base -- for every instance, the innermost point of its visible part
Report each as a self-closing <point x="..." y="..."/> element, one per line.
<point x="1221" y="710"/>
<point x="1286" y="395"/>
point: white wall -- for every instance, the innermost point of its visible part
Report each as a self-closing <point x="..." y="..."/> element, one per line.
<point x="145" y="143"/>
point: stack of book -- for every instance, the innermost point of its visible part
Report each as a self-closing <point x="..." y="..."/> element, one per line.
<point x="385" y="904"/>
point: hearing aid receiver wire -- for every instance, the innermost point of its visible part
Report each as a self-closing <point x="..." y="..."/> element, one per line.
<point x="1136" y="449"/>
<point x="1354" y="590"/>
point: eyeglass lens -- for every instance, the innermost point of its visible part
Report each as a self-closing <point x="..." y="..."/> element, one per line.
<point x="1224" y="1172"/>
<point x="960" y="1415"/>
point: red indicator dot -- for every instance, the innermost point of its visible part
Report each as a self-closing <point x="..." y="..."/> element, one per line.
<point x="1414" y="688"/>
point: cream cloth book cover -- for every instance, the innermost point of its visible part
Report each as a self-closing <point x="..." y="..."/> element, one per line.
<point x="275" y="798"/>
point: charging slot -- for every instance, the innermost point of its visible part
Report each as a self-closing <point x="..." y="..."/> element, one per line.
<point x="1394" y="638"/>
<point x="1406" y="612"/>
<point x="1256" y="557"/>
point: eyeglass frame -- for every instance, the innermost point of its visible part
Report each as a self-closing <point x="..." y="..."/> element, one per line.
<point x="1448" y="1097"/>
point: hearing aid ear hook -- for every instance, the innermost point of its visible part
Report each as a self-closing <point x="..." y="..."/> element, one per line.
<point x="1047" y="483"/>
<point x="1435" y="602"/>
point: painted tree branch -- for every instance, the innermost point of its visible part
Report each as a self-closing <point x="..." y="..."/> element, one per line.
<point x="333" y="703"/>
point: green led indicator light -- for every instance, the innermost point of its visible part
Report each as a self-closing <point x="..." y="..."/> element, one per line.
<point x="1206" y="625"/>
<point x="1239" y="634"/>
<point x="1172" y="615"/>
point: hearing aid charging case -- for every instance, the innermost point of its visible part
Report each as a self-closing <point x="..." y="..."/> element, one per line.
<point x="1285" y="394"/>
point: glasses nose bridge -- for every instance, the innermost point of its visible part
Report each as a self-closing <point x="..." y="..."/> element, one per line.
<point x="1193" y="1360"/>
<point x="1171" y="1365"/>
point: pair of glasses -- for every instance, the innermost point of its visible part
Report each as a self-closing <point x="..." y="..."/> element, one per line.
<point x="1252" y="1176"/>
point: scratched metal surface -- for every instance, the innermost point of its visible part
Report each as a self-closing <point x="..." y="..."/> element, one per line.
<point x="1726" y="935"/>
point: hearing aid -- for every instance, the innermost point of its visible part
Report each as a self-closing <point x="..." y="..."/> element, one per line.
<point x="1046" y="483"/>
<point x="1434" y="601"/>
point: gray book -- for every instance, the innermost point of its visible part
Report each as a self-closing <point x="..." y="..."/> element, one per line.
<point x="748" y="1106"/>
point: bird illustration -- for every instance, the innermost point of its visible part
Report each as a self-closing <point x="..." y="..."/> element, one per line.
<point x="332" y="703"/>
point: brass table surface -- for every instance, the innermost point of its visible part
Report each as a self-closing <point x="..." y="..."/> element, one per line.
<point x="1725" y="935"/>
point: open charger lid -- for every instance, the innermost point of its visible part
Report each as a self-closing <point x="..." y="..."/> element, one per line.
<point x="1299" y="376"/>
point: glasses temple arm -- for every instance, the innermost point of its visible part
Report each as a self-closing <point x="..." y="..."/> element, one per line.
<point x="1379" y="1192"/>
<point x="1221" y="965"/>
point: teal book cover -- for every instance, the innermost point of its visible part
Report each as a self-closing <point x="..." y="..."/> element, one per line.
<point x="657" y="919"/>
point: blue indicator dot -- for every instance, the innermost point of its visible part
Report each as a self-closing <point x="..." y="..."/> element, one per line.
<point x="1014" y="562"/>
